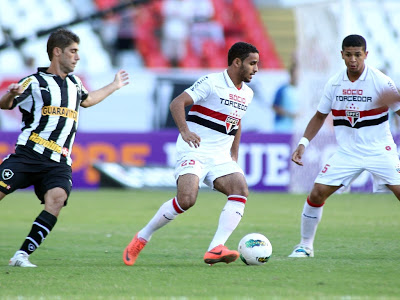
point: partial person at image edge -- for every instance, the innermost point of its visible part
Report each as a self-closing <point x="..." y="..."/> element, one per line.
<point x="359" y="98"/>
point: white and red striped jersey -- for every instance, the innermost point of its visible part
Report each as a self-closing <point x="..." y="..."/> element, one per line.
<point x="216" y="113"/>
<point x="361" y="124"/>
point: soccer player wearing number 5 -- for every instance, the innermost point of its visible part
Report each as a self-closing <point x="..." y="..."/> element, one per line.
<point x="49" y="101"/>
<point x="207" y="151"/>
<point x="358" y="98"/>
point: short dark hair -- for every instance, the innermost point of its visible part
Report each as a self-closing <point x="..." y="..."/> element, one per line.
<point x="354" y="40"/>
<point x="240" y="50"/>
<point x="60" y="38"/>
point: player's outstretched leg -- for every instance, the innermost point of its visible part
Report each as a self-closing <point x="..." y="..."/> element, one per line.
<point x="132" y="251"/>
<point x="220" y="253"/>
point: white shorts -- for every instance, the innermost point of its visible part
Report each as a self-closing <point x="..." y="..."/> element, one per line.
<point x="204" y="169"/>
<point x="342" y="169"/>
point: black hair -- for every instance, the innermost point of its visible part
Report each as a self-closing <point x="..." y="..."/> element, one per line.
<point x="60" y="38"/>
<point x="354" y="40"/>
<point x="240" y="50"/>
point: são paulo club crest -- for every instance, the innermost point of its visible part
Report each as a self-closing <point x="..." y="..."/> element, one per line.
<point x="230" y="123"/>
<point x="352" y="116"/>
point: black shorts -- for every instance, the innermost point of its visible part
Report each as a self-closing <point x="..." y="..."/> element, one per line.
<point x="27" y="167"/>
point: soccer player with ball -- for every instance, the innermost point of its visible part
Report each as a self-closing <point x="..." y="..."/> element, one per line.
<point x="359" y="98"/>
<point x="207" y="151"/>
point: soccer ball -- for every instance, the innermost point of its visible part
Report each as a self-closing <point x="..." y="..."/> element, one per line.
<point x="254" y="249"/>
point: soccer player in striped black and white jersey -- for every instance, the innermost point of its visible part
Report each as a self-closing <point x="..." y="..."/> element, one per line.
<point x="207" y="151"/>
<point x="49" y="101"/>
<point x="359" y="98"/>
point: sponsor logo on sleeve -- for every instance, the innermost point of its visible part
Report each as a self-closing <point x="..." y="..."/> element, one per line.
<point x="26" y="83"/>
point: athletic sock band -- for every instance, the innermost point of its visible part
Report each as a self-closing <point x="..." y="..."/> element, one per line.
<point x="238" y="198"/>
<point x="313" y="204"/>
<point x="176" y="206"/>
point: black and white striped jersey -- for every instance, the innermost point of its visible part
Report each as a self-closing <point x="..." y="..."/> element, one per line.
<point x="50" y="111"/>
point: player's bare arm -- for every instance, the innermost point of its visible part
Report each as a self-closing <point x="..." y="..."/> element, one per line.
<point x="177" y="108"/>
<point x="235" y="144"/>
<point x="121" y="79"/>
<point x="14" y="89"/>
<point x="311" y="131"/>
<point x="389" y="97"/>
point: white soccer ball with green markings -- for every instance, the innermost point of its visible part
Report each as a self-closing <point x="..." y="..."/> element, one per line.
<point x="255" y="249"/>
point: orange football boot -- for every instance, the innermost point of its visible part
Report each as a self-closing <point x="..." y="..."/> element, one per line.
<point x="220" y="254"/>
<point x="132" y="251"/>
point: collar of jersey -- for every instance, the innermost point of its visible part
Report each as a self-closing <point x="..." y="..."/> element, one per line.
<point x="362" y="77"/>
<point x="229" y="81"/>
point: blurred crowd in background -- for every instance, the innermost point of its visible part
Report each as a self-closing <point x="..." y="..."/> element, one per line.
<point x="166" y="45"/>
<point x="179" y="40"/>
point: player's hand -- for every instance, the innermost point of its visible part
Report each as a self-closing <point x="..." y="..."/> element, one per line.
<point x="191" y="138"/>
<point x="121" y="78"/>
<point x="298" y="154"/>
<point x="15" y="89"/>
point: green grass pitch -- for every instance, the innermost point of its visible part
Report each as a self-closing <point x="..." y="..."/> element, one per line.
<point x="357" y="249"/>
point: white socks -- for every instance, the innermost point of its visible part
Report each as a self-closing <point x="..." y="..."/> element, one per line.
<point x="229" y="219"/>
<point x="310" y="218"/>
<point x="165" y="214"/>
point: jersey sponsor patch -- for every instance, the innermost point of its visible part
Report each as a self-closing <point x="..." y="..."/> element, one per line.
<point x="53" y="146"/>
<point x="26" y="83"/>
<point x="230" y="123"/>
<point x="60" y="111"/>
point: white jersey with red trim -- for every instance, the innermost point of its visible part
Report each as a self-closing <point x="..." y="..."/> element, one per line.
<point x="215" y="115"/>
<point x="361" y="124"/>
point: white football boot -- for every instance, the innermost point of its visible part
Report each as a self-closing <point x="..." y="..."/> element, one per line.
<point x="21" y="259"/>
<point x="302" y="251"/>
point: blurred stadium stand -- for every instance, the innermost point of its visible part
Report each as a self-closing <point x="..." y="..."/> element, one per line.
<point x="23" y="33"/>
<point x="269" y="24"/>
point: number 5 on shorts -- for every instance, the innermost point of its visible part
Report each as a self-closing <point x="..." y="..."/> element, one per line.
<point x="324" y="169"/>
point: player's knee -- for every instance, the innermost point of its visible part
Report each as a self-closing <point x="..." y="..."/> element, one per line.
<point x="237" y="188"/>
<point x="241" y="190"/>
<point x="186" y="201"/>
<point x="316" y="198"/>
<point x="55" y="199"/>
<point x="56" y="202"/>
